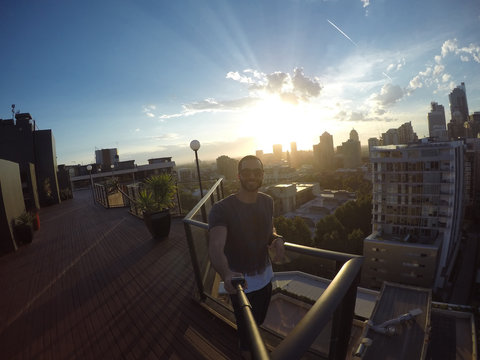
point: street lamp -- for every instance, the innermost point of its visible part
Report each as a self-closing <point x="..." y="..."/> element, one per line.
<point x="89" y="168"/>
<point x="195" y="145"/>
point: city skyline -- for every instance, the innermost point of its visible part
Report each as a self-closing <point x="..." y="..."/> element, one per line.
<point x="147" y="78"/>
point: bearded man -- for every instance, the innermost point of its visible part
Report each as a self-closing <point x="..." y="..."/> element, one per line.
<point x="241" y="232"/>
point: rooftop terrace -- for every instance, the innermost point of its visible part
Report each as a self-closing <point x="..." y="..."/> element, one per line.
<point x="93" y="285"/>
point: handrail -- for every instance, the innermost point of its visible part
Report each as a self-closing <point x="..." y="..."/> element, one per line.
<point x="189" y="216"/>
<point x="303" y="335"/>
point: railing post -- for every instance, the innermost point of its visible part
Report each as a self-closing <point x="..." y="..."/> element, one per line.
<point x="193" y="256"/>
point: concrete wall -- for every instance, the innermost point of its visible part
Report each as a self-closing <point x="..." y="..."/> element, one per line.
<point x="11" y="203"/>
<point x="399" y="262"/>
<point x="46" y="164"/>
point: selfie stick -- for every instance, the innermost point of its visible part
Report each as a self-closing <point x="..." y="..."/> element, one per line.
<point x="257" y="347"/>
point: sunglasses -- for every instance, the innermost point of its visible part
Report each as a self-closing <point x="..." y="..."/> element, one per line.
<point x="249" y="172"/>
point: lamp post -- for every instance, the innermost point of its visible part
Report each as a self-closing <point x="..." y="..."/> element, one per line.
<point x="195" y="145"/>
<point x="89" y="168"/>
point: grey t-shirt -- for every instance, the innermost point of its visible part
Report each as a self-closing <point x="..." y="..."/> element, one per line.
<point x="249" y="228"/>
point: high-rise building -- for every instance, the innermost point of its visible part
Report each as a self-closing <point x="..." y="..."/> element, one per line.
<point x="474" y="125"/>
<point x="326" y="152"/>
<point x="259" y="154"/>
<point x="277" y="151"/>
<point x="351" y="151"/>
<point x="417" y="212"/>
<point x="406" y="134"/>
<point x="437" y="127"/>
<point x="402" y="135"/>
<point x="458" y="112"/>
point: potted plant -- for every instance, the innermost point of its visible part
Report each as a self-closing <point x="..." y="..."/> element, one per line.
<point x="155" y="201"/>
<point x="23" y="228"/>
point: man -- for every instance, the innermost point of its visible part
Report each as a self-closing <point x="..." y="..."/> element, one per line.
<point x="241" y="233"/>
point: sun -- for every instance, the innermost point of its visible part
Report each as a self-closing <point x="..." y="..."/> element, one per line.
<point x="274" y="121"/>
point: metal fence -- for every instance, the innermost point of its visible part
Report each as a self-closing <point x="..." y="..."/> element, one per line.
<point x="110" y="198"/>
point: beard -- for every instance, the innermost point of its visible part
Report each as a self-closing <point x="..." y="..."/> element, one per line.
<point x="251" y="185"/>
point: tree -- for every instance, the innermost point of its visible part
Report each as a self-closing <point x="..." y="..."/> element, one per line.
<point x="293" y="230"/>
<point x="355" y="242"/>
<point x="327" y="225"/>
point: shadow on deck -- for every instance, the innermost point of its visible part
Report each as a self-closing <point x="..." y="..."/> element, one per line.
<point x="94" y="285"/>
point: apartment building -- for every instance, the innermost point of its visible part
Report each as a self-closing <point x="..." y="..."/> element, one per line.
<point x="417" y="211"/>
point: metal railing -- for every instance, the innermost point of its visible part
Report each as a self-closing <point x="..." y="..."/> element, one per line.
<point x="109" y="199"/>
<point x="338" y="298"/>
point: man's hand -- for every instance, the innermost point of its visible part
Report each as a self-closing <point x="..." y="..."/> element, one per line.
<point x="277" y="247"/>
<point x="227" y="280"/>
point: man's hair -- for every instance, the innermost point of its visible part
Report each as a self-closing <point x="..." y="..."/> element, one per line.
<point x="248" y="157"/>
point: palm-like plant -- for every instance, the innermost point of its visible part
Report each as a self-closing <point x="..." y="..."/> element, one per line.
<point x="158" y="193"/>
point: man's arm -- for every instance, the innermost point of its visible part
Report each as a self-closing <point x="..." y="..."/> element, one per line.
<point x="216" y="246"/>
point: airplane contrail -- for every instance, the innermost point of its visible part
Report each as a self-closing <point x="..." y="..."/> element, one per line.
<point x="389" y="78"/>
<point x="341" y="32"/>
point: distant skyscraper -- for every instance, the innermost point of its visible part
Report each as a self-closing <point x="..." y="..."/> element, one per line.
<point x="277" y="151"/>
<point x="403" y="135"/>
<point x="390" y="137"/>
<point x="458" y="112"/>
<point x="325" y="152"/>
<point x="474" y="125"/>
<point x="351" y="151"/>
<point x="293" y="147"/>
<point x="437" y="127"/>
<point x="259" y="154"/>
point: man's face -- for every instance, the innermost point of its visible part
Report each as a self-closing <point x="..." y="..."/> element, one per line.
<point x="251" y="175"/>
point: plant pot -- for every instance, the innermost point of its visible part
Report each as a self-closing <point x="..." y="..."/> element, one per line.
<point x="23" y="233"/>
<point x="158" y="223"/>
<point x="36" y="220"/>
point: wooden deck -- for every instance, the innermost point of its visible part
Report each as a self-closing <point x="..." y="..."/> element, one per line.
<point x="94" y="285"/>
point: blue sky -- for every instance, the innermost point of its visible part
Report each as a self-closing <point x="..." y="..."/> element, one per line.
<point x="149" y="76"/>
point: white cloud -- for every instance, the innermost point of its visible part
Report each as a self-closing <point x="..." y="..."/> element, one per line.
<point x="438" y="70"/>
<point x="436" y="75"/>
<point x="466" y="53"/>
<point x="389" y="95"/>
<point x="149" y="110"/>
<point x="365" y="3"/>
<point x="415" y="83"/>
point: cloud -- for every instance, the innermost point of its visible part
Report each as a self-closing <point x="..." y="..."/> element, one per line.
<point x="363" y="116"/>
<point x="389" y="95"/>
<point x="292" y="88"/>
<point x="365" y="3"/>
<point x="436" y="75"/>
<point x="466" y="53"/>
<point x="148" y="110"/>
<point x="397" y="66"/>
